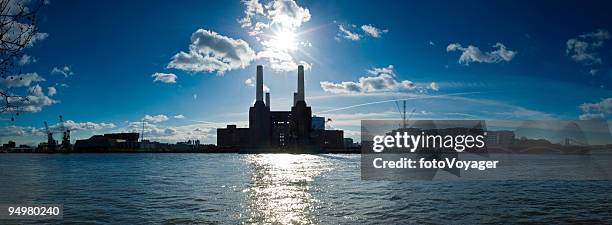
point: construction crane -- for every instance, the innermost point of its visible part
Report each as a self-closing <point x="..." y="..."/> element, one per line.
<point x="65" y="146"/>
<point x="143" y="131"/>
<point x="403" y="112"/>
<point x="50" y="141"/>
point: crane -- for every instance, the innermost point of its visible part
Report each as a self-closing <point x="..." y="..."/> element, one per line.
<point x="403" y="112"/>
<point x="65" y="146"/>
<point x="50" y="141"/>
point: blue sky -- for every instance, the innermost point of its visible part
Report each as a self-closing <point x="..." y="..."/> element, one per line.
<point x="461" y="60"/>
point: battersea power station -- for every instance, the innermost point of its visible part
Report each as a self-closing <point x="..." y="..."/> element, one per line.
<point x="295" y="131"/>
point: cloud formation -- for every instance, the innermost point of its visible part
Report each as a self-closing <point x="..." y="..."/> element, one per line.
<point x="434" y="86"/>
<point x="168" y="78"/>
<point x="584" y="48"/>
<point x="65" y="70"/>
<point x="373" y="31"/>
<point x="16" y="131"/>
<point x="25" y="60"/>
<point x="596" y="110"/>
<point x="278" y="14"/>
<point x="347" y="34"/>
<point x="15" y="32"/>
<point x="51" y="91"/>
<point x="212" y="52"/>
<point x="173" y="133"/>
<point x="354" y="33"/>
<point x="35" y="100"/>
<point x="252" y="8"/>
<point x="75" y="126"/>
<point x="23" y="80"/>
<point x="155" y="119"/>
<point x="377" y="80"/>
<point x="275" y="25"/>
<point x="251" y="83"/>
<point x="472" y="54"/>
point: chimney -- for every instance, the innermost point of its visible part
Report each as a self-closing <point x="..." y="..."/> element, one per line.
<point x="300" y="93"/>
<point x="268" y="99"/>
<point x="259" y="85"/>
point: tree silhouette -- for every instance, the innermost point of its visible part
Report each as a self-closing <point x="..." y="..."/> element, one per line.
<point x="18" y="30"/>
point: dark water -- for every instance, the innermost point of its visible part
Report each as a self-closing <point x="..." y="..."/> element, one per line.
<point x="282" y="189"/>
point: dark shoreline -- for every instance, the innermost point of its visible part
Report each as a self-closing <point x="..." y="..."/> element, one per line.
<point x="185" y="152"/>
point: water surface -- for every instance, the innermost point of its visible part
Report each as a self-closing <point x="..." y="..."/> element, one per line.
<point x="278" y="188"/>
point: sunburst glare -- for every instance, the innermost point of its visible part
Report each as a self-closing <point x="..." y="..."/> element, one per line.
<point x="284" y="40"/>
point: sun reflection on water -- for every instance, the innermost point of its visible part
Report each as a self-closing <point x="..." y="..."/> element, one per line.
<point x="279" y="191"/>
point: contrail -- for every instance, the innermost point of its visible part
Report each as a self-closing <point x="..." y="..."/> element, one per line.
<point x="392" y="100"/>
<point x="205" y="122"/>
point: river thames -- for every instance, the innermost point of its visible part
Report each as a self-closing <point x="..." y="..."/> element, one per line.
<point x="278" y="189"/>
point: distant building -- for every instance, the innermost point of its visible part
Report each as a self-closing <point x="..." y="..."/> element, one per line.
<point x="318" y="123"/>
<point x="285" y="131"/>
<point x="349" y="143"/>
<point x="502" y="137"/>
<point x="109" y="142"/>
<point x="10" y="144"/>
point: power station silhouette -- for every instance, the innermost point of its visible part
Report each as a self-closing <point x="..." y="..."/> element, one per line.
<point x="280" y="131"/>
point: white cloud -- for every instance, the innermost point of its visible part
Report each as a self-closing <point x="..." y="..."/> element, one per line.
<point x="277" y="14"/>
<point x="20" y="131"/>
<point x="75" y="126"/>
<point x="604" y="106"/>
<point x="212" y="52"/>
<point x="168" y="78"/>
<point x="382" y="70"/>
<point x="474" y="54"/>
<point x="179" y="116"/>
<point x="354" y="33"/>
<point x="287" y="13"/>
<point x="38" y="37"/>
<point x="596" y="110"/>
<point x="23" y="80"/>
<point x="251" y="83"/>
<point x="170" y="134"/>
<point x="14" y="31"/>
<point x="253" y="8"/>
<point x="151" y="130"/>
<point x="434" y="86"/>
<point x="591" y="116"/>
<point x="65" y="70"/>
<point x="373" y="31"/>
<point x="275" y="25"/>
<point x="155" y="119"/>
<point x="377" y="80"/>
<point x="26" y="59"/>
<point x="34" y="102"/>
<point x="51" y="91"/>
<point x="347" y="34"/>
<point x="583" y="49"/>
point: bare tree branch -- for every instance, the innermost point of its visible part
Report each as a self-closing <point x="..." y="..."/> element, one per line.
<point x="18" y="31"/>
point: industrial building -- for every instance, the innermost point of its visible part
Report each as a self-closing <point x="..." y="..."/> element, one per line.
<point x="109" y="142"/>
<point x="295" y="131"/>
<point x="502" y="137"/>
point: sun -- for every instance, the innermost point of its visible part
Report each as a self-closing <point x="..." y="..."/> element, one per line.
<point x="285" y="40"/>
